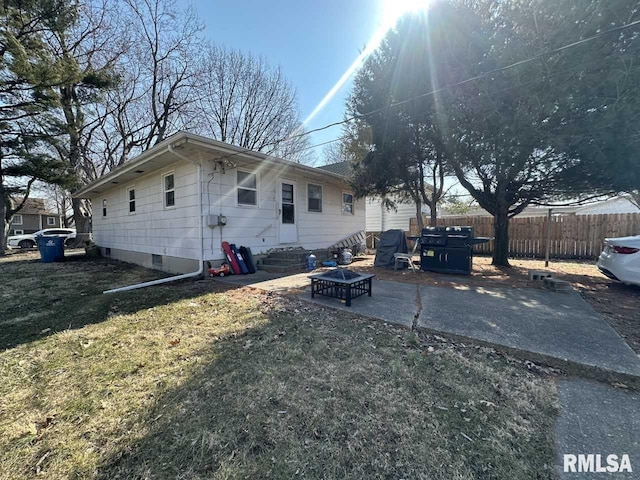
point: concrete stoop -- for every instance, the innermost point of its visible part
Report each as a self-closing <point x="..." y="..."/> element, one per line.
<point x="290" y="260"/>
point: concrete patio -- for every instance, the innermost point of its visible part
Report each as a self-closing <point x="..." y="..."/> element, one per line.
<point x="559" y="329"/>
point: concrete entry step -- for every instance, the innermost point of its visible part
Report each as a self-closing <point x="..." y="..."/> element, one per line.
<point x="280" y="268"/>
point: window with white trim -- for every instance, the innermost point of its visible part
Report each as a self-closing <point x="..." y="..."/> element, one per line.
<point x="18" y="232"/>
<point x="17" y="220"/>
<point x="169" y="188"/>
<point x="51" y="221"/>
<point x="314" y="198"/>
<point x="247" y="187"/>
<point x="347" y="203"/>
<point x="131" y="198"/>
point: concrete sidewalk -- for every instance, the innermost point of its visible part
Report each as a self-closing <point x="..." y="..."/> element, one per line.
<point x="597" y="419"/>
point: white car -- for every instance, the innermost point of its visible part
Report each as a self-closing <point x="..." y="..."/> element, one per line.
<point x="620" y="259"/>
<point x="29" y="240"/>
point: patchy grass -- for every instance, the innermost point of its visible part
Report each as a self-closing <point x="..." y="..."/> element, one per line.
<point x="190" y="381"/>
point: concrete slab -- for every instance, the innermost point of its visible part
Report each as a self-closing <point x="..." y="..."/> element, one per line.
<point x="594" y="419"/>
<point x="560" y="329"/>
<point x="393" y="302"/>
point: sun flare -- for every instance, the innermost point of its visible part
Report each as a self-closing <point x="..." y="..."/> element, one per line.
<point x="392" y="10"/>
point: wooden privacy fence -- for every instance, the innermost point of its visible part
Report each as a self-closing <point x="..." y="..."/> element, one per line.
<point x="572" y="236"/>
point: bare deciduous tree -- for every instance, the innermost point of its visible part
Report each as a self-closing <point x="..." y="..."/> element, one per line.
<point x="246" y="102"/>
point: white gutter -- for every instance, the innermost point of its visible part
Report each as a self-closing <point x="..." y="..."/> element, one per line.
<point x="198" y="272"/>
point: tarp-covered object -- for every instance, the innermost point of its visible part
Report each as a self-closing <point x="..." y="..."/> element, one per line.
<point x="391" y="241"/>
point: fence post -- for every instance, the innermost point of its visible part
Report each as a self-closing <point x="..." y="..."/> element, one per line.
<point x="547" y="246"/>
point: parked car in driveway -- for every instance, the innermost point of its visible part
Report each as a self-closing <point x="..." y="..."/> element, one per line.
<point x="29" y="240"/>
<point x="620" y="259"/>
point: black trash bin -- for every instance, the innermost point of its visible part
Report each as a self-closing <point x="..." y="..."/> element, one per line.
<point x="51" y="249"/>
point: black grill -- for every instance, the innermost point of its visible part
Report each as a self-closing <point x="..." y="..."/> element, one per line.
<point x="448" y="249"/>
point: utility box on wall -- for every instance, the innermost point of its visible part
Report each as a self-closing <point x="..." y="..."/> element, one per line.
<point x="216" y="221"/>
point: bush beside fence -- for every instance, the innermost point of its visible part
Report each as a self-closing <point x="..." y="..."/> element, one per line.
<point x="572" y="236"/>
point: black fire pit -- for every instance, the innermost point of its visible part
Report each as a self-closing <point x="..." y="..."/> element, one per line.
<point x="341" y="283"/>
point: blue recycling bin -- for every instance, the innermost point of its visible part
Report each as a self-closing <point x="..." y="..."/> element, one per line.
<point x="51" y="249"/>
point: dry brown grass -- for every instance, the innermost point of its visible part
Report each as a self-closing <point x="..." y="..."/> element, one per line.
<point x="190" y="381"/>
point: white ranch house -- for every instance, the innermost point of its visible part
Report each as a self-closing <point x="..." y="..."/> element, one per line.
<point x="162" y="209"/>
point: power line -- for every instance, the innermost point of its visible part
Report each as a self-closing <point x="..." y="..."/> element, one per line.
<point x="441" y="89"/>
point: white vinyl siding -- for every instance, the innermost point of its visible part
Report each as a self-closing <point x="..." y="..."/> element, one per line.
<point x="380" y="219"/>
<point x="154" y="229"/>
<point x="174" y="232"/>
<point x="258" y="227"/>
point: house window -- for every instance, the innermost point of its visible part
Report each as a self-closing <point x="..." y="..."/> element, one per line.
<point x="51" y="221"/>
<point x="18" y="232"/>
<point x="247" y="186"/>
<point x="168" y="182"/>
<point x="107" y="252"/>
<point x="104" y="207"/>
<point x="17" y="220"/>
<point x="131" y="196"/>
<point x="347" y="203"/>
<point x="314" y="197"/>
<point x="156" y="260"/>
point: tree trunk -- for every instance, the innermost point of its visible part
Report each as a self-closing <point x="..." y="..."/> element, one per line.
<point x="4" y="232"/>
<point x="433" y="218"/>
<point x="419" y="221"/>
<point x="501" y="242"/>
<point x="82" y="221"/>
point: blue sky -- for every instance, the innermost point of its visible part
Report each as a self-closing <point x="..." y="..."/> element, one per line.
<point x="314" y="42"/>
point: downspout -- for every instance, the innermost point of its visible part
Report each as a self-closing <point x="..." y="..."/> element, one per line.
<point x="198" y="272"/>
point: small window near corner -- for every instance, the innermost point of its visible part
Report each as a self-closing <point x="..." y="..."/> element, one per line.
<point x="131" y="197"/>
<point x="247" y="186"/>
<point x="104" y="207"/>
<point x="51" y="221"/>
<point x="17" y="220"/>
<point x="156" y="260"/>
<point x="347" y="203"/>
<point x="18" y="232"/>
<point x="314" y="197"/>
<point x="169" y="186"/>
<point x="107" y="252"/>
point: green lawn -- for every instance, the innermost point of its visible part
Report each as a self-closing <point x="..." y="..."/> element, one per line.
<point x="194" y="380"/>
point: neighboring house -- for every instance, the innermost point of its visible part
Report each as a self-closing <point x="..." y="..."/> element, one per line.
<point x="33" y="216"/>
<point x="619" y="204"/>
<point x="162" y="208"/>
<point x="379" y="218"/>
